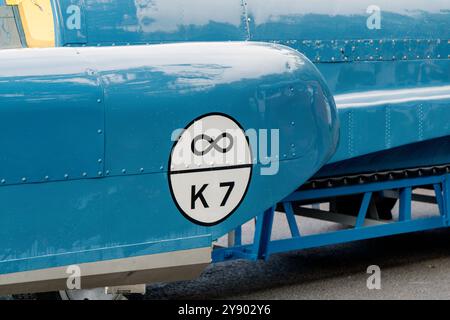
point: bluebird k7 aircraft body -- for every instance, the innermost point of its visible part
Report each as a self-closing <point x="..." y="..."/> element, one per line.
<point x="107" y="160"/>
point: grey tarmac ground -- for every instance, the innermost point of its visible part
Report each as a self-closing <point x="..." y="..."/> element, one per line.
<point x="413" y="266"/>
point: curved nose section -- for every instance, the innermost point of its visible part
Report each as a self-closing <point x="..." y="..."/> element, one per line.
<point x="297" y="132"/>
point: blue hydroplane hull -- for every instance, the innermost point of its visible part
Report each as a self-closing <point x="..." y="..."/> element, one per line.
<point x="352" y="87"/>
<point x="385" y="63"/>
<point x="85" y="174"/>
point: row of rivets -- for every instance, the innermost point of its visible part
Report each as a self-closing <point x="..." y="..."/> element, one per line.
<point x="318" y="58"/>
<point x="84" y="174"/>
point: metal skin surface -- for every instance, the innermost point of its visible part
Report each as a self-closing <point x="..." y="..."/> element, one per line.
<point x="86" y="138"/>
<point x="391" y="80"/>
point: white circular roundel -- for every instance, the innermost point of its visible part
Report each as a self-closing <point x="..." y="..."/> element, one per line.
<point x="210" y="169"/>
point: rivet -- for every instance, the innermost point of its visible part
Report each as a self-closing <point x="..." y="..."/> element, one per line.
<point x="46" y="177"/>
<point x="141" y="170"/>
<point x="99" y="131"/>
<point x="293" y="123"/>
<point x="107" y="172"/>
<point x="124" y="171"/>
<point x="66" y="176"/>
<point x="100" y="173"/>
<point x="100" y="160"/>
<point x="3" y="181"/>
<point x="24" y="179"/>
<point x="84" y="174"/>
<point x="161" y="168"/>
<point x="99" y="100"/>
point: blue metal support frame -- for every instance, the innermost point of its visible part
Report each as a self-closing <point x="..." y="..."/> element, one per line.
<point x="446" y="192"/>
<point x="263" y="246"/>
<point x="363" y="210"/>
<point x="439" y="198"/>
<point x="263" y="233"/>
<point x="295" y="232"/>
<point x="405" y="204"/>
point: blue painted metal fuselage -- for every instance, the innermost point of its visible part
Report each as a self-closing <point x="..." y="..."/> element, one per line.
<point x="87" y="136"/>
<point x="386" y="63"/>
<point x="86" y="132"/>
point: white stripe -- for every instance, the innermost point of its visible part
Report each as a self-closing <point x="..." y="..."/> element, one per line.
<point x="384" y="97"/>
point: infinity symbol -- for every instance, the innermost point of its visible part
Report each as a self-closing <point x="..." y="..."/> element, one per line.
<point x="213" y="144"/>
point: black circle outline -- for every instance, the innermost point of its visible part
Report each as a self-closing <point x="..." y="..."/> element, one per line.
<point x="249" y="180"/>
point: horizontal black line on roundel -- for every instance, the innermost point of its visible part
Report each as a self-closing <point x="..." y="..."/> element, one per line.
<point x="243" y="166"/>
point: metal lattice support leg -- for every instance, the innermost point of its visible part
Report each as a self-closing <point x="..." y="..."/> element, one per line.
<point x="290" y="216"/>
<point x="439" y="198"/>
<point x="263" y="232"/>
<point x="363" y="210"/>
<point x="447" y="199"/>
<point x="405" y="204"/>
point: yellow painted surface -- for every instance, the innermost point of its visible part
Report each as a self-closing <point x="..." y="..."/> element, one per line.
<point x="37" y="22"/>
